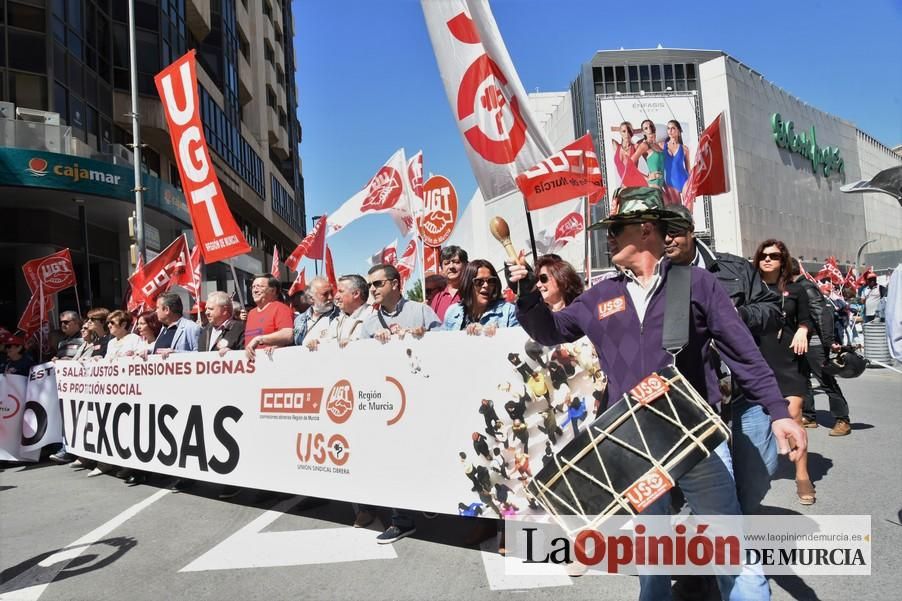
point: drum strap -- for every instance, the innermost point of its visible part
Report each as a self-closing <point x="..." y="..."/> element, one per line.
<point x="676" y="309"/>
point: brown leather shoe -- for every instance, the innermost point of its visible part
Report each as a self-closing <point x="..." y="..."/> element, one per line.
<point x="841" y="428"/>
<point x="809" y="423"/>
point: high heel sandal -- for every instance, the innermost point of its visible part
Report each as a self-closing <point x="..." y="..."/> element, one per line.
<point x="806" y="492"/>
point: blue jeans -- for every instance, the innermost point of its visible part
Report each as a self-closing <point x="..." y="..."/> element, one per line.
<point x="754" y="452"/>
<point x="709" y="490"/>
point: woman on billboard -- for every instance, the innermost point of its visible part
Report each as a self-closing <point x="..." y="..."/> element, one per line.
<point x="653" y="153"/>
<point x="676" y="158"/>
<point x="624" y="151"/>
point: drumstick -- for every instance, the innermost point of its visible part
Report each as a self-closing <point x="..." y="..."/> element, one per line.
<point x="502" y="233"/>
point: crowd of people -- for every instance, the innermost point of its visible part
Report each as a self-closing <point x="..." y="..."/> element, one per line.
<point x="759" y="332"/>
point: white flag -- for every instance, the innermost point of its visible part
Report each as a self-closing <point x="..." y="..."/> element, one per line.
<point x="386" y="192"/>
<point x="501" y="136"/>
<point x="388" y="255"/>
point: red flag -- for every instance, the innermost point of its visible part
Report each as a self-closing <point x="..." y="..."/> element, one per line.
<point x="215" y="228"/>
<point x="330" y="270"/>
<point x="572" y="172"/>
<point x="709" y="173"/>
<point x="863" y="278"/>
<point x="161" y="273"/>
<point x="432" y="259"/>
<point x="190" y="278"/>
<point x="312" y="246"/>
<point x="36" y="312"/>
<point x="53" y="272"/>
<point x="831" y="272"/>
<point x="134" y="304"/>
<point x="274" y="270"/>
<point x="408" y="261"/>
<point x="805" y="273"/>
<point x="299" y="284"/>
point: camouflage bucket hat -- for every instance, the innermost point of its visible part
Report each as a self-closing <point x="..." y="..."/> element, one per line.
<point x="634" y="204"/>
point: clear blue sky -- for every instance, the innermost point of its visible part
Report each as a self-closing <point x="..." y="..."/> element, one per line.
<point x="368" y="81"/>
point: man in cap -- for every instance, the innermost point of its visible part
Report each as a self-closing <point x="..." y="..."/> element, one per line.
<point x="754" y="450"/>
<point x="624" y="318"/>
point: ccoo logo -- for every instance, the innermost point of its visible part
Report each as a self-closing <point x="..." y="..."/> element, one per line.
<point x="340" y="403"/>
<point x="37" y="167"/>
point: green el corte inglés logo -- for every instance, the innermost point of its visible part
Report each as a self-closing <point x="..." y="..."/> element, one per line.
<point x="826" y="159"/>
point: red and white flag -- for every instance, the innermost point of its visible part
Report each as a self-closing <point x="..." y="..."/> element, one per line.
<point x="709" y="173"/>
<point x="134" y="304"/>
<point x="501" y="136"/>
<point x="568" y="174"/>
<point x="299" y="284"/>
<point x="830" y="271"/>
<point x="805" y="273"/>
<point x="36" y="313"/>
<point x="556" y="236"/>
<point x="190" y="278"/>
<point x="52" y="273"/>
<point x="330" y="269"/>
<point x="386" y="192"/>
<point x="312" y="246"/>
<point x="432" y="259"/>
<point x="163" y="272"/>
<point x="274" y="269"/>
<point x="215" y="228"/>
<point x="408" y="261"/>
<point x="386" y="256"/>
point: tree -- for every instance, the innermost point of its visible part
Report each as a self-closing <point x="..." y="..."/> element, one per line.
<point x="415" y="293"/>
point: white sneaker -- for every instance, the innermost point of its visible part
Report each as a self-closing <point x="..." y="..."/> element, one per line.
<point x="95" y="472"/>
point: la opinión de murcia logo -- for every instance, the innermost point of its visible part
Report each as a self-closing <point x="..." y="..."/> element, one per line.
<point x="37" y="167"/>
<point x="383" y="191"/>
<point x="340" y="403"/>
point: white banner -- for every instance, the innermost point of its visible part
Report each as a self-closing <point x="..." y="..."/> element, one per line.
<point x="502" y="138"/>
<point x="12" y="411"/>
<point x="370" y="423"/>
<point x="41" y="422"/>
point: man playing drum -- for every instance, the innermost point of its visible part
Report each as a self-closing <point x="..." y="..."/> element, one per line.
<point x="624" y="318"/>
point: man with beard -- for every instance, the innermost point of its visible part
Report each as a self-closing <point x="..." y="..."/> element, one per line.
<point x="454" y="261"/>
<point x="313" y="325"/>
<point x="270" y="323"/>
<point x="754" y="449"/>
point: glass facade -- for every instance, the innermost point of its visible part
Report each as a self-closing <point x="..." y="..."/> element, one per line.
<point x="632" y="79"/>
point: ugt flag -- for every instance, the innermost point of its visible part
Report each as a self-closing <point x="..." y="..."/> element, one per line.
<point x="709" y="173"/>
<point x="502" y="138"/>
<point x="52" y="273"/>
<point x="215" y="230"/>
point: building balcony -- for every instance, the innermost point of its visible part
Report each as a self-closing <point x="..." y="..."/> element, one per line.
<point x="245" y="80"/>
<point x="197" y="17"/>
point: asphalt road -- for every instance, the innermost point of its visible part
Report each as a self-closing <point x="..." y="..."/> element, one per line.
<point x="65" y="536"/>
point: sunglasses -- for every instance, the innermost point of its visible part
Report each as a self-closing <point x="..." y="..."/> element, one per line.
<point x="97" y="319"/>
<point x="65" y="322"/>
<point x="771" y="256"/>
<point x="615" y="229"/>
<point x="675" y="231"/>
<point x="378" y="283"/>
<point x="480" y="282"/>
<point x="543" y="277"/>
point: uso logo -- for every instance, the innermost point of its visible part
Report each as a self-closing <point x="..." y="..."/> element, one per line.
<point x="649" y="389"/>
<point x="648" y="488"/>
<point x="340" y="403"/>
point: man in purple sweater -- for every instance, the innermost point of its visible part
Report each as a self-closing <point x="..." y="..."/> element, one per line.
<point x="624" y="318"/>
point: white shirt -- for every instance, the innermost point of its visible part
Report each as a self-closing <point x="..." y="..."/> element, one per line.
<point x="128" y="343"/>
<point x="639" y="294"/>
<point x="217" y="333"/>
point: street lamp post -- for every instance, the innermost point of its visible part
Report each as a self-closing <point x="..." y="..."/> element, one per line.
<point x="860" y="249"/>
<point x="136" y="133"/>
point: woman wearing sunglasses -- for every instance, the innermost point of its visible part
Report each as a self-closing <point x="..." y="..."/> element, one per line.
<point x="558" y="282"/>
<point x="122" y="342"/>
<point x="481" y="308"/>
<point x="785" y="349"/>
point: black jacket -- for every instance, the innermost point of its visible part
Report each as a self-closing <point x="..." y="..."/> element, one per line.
<point x="820" y="310"/>
<point x="758" y="307"/>
<point x="234" y="336"/>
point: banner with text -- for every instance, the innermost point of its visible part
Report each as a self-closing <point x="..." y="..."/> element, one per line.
<point x="378" y="424"/>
